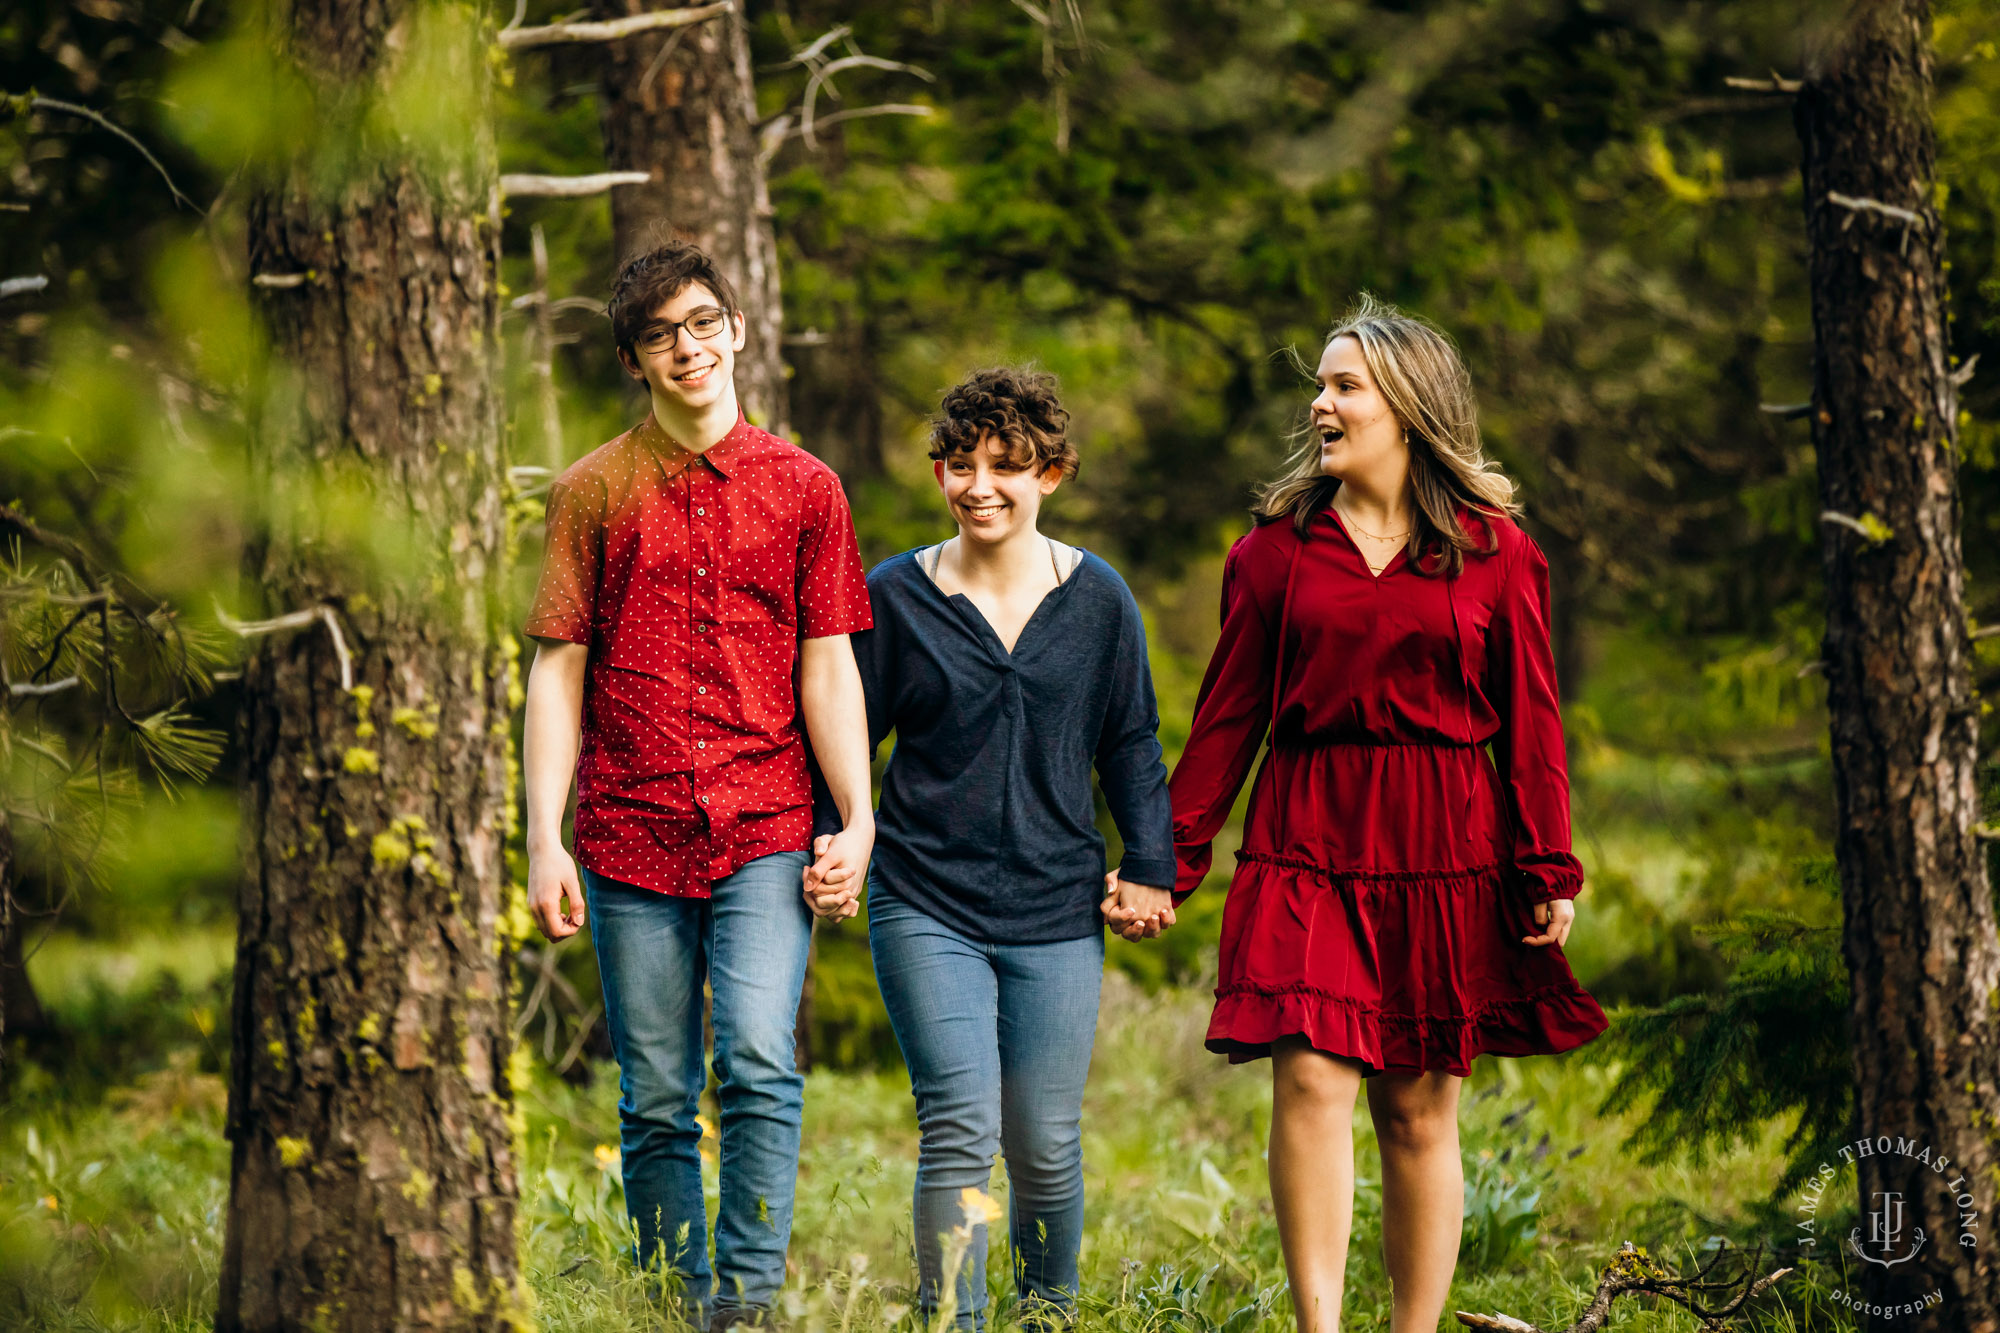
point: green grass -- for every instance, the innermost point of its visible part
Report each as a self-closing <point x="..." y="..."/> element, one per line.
<point x="110" y="1208"/>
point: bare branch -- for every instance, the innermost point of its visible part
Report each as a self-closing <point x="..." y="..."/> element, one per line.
<point x="1630" y="1272"/>
<point x="296" y="620"/>
<point x="1869" y="526"/>
<point x="1855" y="204"/>
<point x="40" y="103"/>
<point x="823" y="74"/>
<point x="569" y="34"/>
<point x="1786" y="411"/>
<point x="569" y="187"/>
<point x="1959" y="377"/>
<point x="1985" y="632"/>
<point x="1777" y="83"/>
<point x="811" y="53"/>
<point x="781" y="129"/>
<point x="53" y="687"/>
<point x="278" y="280"/>
<point x="22" y="286"/>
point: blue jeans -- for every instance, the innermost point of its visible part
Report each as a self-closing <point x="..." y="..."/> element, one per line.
<point x="749" y="941"/>
<point x="997" y="1038"/>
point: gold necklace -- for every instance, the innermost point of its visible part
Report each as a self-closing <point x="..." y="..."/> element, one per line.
<point x="1348" y="519"/>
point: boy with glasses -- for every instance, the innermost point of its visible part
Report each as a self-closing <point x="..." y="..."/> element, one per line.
<point x="700" y="582"/>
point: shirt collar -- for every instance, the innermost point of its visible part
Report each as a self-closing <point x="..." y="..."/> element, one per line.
<point x="724" y="455"/>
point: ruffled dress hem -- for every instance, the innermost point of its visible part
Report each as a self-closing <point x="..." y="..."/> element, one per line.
<point x="1378" y="966"/>
<point x="1548" y="1021"/>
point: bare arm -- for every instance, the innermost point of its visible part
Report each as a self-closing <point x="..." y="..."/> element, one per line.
<point x="552" y="738"/>
<point x="836" y="713"/>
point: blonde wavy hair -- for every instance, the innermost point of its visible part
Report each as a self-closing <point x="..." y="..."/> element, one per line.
<point x="1424" y="381"/>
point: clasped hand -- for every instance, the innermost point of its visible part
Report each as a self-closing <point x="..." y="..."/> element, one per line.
<point x="833" y="881"/>
<point x="1136" y="911"/>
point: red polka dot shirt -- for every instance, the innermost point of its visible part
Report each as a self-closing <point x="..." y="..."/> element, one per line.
<point x="693" y="577"/>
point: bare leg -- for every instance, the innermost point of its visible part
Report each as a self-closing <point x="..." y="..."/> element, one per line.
<point x="1423" y="1191"/>
<point x="1312" y="1174"/>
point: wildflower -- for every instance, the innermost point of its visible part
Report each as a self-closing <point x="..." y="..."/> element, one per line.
<point x="607" y="1157"/>
<point x="979" y="1206"/>
<point x="48" y="1201"/>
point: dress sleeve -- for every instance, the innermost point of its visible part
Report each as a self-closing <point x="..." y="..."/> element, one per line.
<point x="1129" y="767"/>
<point x="572" y="551"/>
<point x="1231" y="715"/>
<point x="1521" y="677"/>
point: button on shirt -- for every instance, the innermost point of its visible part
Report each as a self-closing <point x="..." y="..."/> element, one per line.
<point x="693" y="577"/>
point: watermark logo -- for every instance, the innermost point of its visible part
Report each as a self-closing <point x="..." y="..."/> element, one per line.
<point x="1887" y="1233"/>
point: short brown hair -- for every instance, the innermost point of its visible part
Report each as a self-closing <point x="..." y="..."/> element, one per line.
<point x="1019" y="408"/>
<point x="648" y="281"/>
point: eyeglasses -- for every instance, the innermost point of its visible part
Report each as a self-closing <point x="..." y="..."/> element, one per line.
<point x="704" y="324"/>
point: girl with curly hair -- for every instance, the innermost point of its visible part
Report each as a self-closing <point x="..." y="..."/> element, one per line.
<point x="1010" y="666"/>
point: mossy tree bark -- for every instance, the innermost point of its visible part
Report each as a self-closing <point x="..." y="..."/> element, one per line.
<point x="372" y="1178"/>
<point x="1920" y="930"/>
<point x="682" y="106"/>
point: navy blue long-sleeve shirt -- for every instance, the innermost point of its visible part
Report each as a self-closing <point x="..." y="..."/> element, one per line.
<point x="987" y="821"/>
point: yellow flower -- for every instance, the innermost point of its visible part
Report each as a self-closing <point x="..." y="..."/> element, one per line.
<point x="979" y="1206"/>
<point x="48" y="1201"/>
<point x="607" y="1157"/>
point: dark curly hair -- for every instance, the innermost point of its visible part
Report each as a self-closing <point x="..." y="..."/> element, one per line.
<point x="648" y="281"/>
<point x="1019" y="408"/>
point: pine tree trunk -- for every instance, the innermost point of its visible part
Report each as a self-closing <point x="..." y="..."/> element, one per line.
<point x="682" y="106"/>
<point x="372" y="1175"/>
<point x="1920" y="931"/>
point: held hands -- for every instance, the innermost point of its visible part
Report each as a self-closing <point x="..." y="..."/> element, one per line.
<point x="1555" y="918"/>
<point x="833" y="881"/>
<point x="1136" y="911"/>
<point x="552" y="879"/>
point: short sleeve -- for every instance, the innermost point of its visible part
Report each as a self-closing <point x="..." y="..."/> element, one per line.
<point x="1529" y="745"/>
<point x="572" y="557"/>
<point x="832" y="586"/>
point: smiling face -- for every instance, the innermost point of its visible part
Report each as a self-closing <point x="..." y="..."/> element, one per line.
<point x="1358" y="434"/>
<point x="690" y="374"/>
<point x="991" y="494"/>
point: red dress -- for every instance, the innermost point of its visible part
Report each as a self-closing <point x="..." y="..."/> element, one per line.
<point x="1389" y="869"/>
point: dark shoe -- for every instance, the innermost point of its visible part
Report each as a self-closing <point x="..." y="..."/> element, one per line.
<point x="739" y="1317"/>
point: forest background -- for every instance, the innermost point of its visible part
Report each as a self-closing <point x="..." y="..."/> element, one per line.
<point x="1161" y="203"/>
